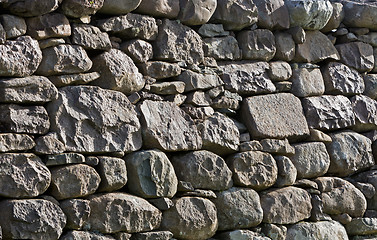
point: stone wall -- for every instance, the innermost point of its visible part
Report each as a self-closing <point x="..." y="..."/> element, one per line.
<point x="190" y="119"/>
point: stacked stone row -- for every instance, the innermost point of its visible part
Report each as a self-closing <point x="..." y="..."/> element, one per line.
<point x="190" y="119"/>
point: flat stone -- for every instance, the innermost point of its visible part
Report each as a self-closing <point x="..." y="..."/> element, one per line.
<point x="196" y="12"/>
<point x="257" y="44"/>
<point x="159" y="69"/>
<point x="13" y="142"/>
<point x="307" y="82"/>
<point x="285" y="46"/>
<point x="199" y="81"/>
<point x="74" y="79"/>
<point x="336" y="18"/>
<point x="168" y="88"/>
<point x="48" y="26"/>
<point x="26" y="8"/>
<point x="370" y="38"/>
<point x="211" y="30"/>
<point x="113" y="173"/>
<point x="50" y="42"/>
<point x="80" y="8"/>
<point x="159" y="8"/>
<point x="77" y="235"/>
<point x="13" y="26"/>
<point x="272" y="14"/>
<point x="287" y="172"/>
<point x="319" y="136"/>
<point x="116" y="7"/>
<point x="139" y="50"/>
<point x="362" y="226"/>
<point x="277" y="146"/>
<point x="77" y="212"/>
<point x="2" y="34"/>
<point x="162" y="203"/>
<point x="357" y="55"/>
<point x="160" y="235"/>
<point x="104" y="118"/>
<point x="241" y="235"/>
<point x="360" y="14"/>
<point x="279" y="71"/>
<point x="365" y="110"/>
<point x="222" y="48"/>
<point x="317" y="230"/>
<point x="90" y="37"/>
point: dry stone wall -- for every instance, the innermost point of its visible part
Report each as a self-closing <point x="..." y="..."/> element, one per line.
<point x="188" y="119"/>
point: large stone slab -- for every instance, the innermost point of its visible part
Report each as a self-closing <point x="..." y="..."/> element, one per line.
<point x="360" y="14"/>
<point x="275" y="116"/>
<point x="285" y="46"/>
<point x="119" y="7"/>
<point x="317" y="230"/>
<point x="93" y="120"/>
<point x="272" y="14"/>
<point x="199" y="81"/>
<point x="196" y="12"/>
<point x="357" y="55"/>
<point x="26" y="8"/>
<point x="52" y="25"/>
<point x="257" y="44"/>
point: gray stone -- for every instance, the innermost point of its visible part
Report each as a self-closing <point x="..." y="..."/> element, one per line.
<point x="74" y="79"/>
<point x="328" y="112"/>
<point x="150" y="174"/>
<point x="84" y="235"/>
<point x="199" y="81"/>
<point x="19" y="58"/>
<point x="235" y="14"/>
<point x="336" y="17"/>
<point x="222" y="48"/>
<point x="13" y="26"/>
<point x="275" y="232"/>
<point x="319" y="136"/>
<point x="272" y="14"/>
<point x="277" y="146"/>
<point x="298" y="34"/>
<point x="198" y="112"/>
<point x="285" y="46"/>
<point x="64" y="159"/>
<point x="307" y="82"/>
<point x="139" y="50"/>
<point x="241" y="235"/>
<point x="253" y="169"/>
<point x="26" y="8"/>
<point x="317" y="230"/>
<point x="118" y="7"/>
<point x="90" y="37"/>
<point x="156" y="235"/>
<point x="31" y="219"/>
<point x="23" y="119"/>
<point x="49" y="144"/>
<point x="275" y="116"/>
<point x="257" y="44"/>
<point x="360" y="14"/>
<point x="159" y="69"/>
<point x="279" y="71"/>
<point x="365" y="110"/>
<point x="80" y="8"/>
<point x="122" y="236"/>
<point x="113" y="173"/>
<point x="287" y="171"/>
<point x="168" y="88"/>
<point x="211" y="30"/>
<point x="374" y="70"/>
<point x="356" y="55"/>
<point x="370" y="177"/>
<point x="64" y="59"/>
<point x="159" y="8"/>
<point x="193" y="218"/>
<point x="118" y="72"/>
<point x="176" y="42"/>
<point x="2" y="35"/>
<point x="285" y="205"/>
<point x="13" y="142"/>
<point x="99" y="120"/>
<point x="196" y="12"/>
<point x="284" y="86"/>
<point x="50" y="42"/>
<point x="48" y="26"/>
<point x="370" y="38"/>
<point x="362" y="226"/>
<point x="23" y="175"/>
<point x="165" y="126"/>
<point x="77" y="212"/>
<point x="124" y="212"/>
<point x="162" y="203"/>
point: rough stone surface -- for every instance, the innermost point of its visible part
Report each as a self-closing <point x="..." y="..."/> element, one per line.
<point x="118" y="7"/>
<point x="80" y="8"/>
<point x="222" y="48"/>
<point x="13" y="142"/>
<point x="241" y="235"/>
<point x="160" y="70"/>
<point x="84" y="235"/>
<point x="196" y="12"/>
<point x="74" y="79"/>
<point x="258" y="44"/>
<point x="159" y="8"/>
<point x="28" y="8"/>
<point x="287" y="171"/>
<point x="336" y="17"/>
<point x="272" y="14"/>
<point x="317" y="230"/>
<point x="370" y="81"/>
<point x="13" y="26"/>
<point x="277" y="146"/>
<point x="285" y="46"/>
<point x="168" y="88"/>
<point x="279" y="71"/>
<point x="199" y="81"/>
<point x="48" y="26"/>
<point x="365" y="110"/>
<point x="159" y="235"/>
<point x="360" y="14"/>
<point x="356" y="55"/>
<point x="90" y="37"/>
<point x="139" y="50"/>
<point x="362" y="226"/>
<point x="307" y="82"/>
<point x="77" y="212"/>
<point x="65" y="159"/>
<point x="113" y="173"/>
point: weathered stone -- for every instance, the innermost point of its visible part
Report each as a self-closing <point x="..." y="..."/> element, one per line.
<point x="162" y="203"/>
<point x="176" y="42"/>
<point x="204" y="170"/>
<point x="328" y="112"/>
<point x="277" y="146"/>
<point x="287" y="171"/>
<point x="360" y="14"/>
<point x="336" y="17"/>
<point x="285" y="205"/>
<point x="253" y="169"/>
<point x="49" y="144"/>
<point x="307" y="82"/>
<point x="370" y="38"/>
<point x="211" y="30"/>
<point x="219" y="133"/>
<point x="319" y="136"/>
<point x="246" y="77"/>
<point x="99" y="120"/>
<point x="64" y="59"/>
<point x="122" y="236"/>
<point x="193" y="218"/>
<point x="90" y="37"/>
<point x="370" y="177"/>
<point x="116" y="7"/>
<point x="349" y="152"/>
<point x="284" y="86"/>
<point x="279" y="71"/>
<point x="13" y="142"/>
<point x="285" y="46"/>
<point x="48" y="26"/>
<point x="356" y="55"/>
<point x="74" y="79"/>
<point x="235" y="14"/>
<point x="113" y="173"/>
<point x="159" y="8"/>
<point x="23" y="119"/>
<point x="160" y="70"/>
<point x="317" y="47"/>
<point x="362" y="226"/>
<point x="73" y="181"/>
<point x="165" y="126"/>
<point x="310" y="15"/>
<point x="196" y="12"/>
<point x="167" y="88"/>
<point x="124" y="212"/>
<point x="272" y="14"/>
<point x="19" y="58"/>
<point x="26" y="8"/>
<point x="317" y="230"/>
<point x="13" y="26"/>
<point x="31" y="219"/>
<point x="177" y="99"/>
<point x="2" y="34"/>
<point x="77" y="212"/>
<point x="139" y="50"/>
<point x="199" y="81"/>
<point x="365" y="110"/>
<point x="80" y="8"/>
<point x="51" y="42"/>
<point x="159" y="235"/>
<point x="84" y="235"/>
<point x="257" y="44"/>
<point x="241" y="235"/>
<point x="64" y="159"/>
<point x="276" y="232"/>
<point x="222" y="48"/>
<point x="118" y="72"/>
<point x="275" y="116"/>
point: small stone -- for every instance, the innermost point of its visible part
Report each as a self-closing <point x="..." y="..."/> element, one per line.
<point x="222" y="48"/>
<point x="360" y="14"/>
<point x="167" y="88"/>
<point x="198" y="112"/>
<point x="277" y="146"/>
<point x="370" y="38"/>
<point x="80" y="8"/>
<point x="362" y="226"/>
<point x="196" y="12"/>
<point x="77" y="212"/>
<point x="307" y="82"/>
<point x="257" y="44"/>
<point x="343" y="218"/>
<point x="50" y="42"/>
<point x="160" y="70"/>
<point x="177" y="99"/>
<point x="159" y="8"/>
<point x="160" y="235"/>
<point x="287" y="172"/>
<point x="90" y="37"/>
<point x="200" y="193"/>
<point x="276" y="232"/>
<point x="336" y="17"/>
<point x="211" y="30"/>
<point x="162" y="203"/>
<point x="13" y="26"/>
<point x="48" y="26"/>
<point x="272" y="14"/>
<point x="285" y="46"/>
<point x="241" y="235"/>
<point x="279" y="71"/>
<point x="77" y="235"/>
<point x="49" y="144"/>
<point x="318" y="136"/>
<point x="113" y="173"/>
<point x="116" y="7"/>
<point x="199" y="81"/>
<point x="356" y="55"/>
<point x="65" y="159"/>
<point x="199" y="99"/>
<point x="13" y="142"/>
<point x="139" y="50"/>
<point x="365" y="110"/>
<point x="298" y="34"/>
<point x="284" y="86"/>
<point x="74" y="79"/>
<point x="2" y="36"/>
<point x="26" y="8"/>
<point x="317" y="230"/>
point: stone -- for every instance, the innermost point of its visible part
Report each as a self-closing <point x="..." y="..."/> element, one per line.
<point x="257" y="44"/>
<point x="298" y="34"/>
<point x="199" y="81"/>
<point x="241" y="235"/>
<point x="196" y="12"/>
<point x="2" y="34"/>
<point x="64" y="59"/>
<point x="374" y="70"/>
<point x="317" y="230"/>
<point x="349" y="152"/>
<point x="235" y="14"/>
<point x="90" y="37"/>
<point x="77" y="212"/>
<point x="222" y="48"/>
<point x="310" y="15"/>
<point x="84" y="235"/>
<point x="118" y="72"/>
<point x="13" y="26"/>
<point x="253" y="169"/>
<point x="285" y="205"/>
<point x="284" y="86"/>
<point x="369" y="177"/>
<point x="277" y="232"/>
<point x="160" y="235"/>
<point x="113" y="173"/>
<point x="285" y="46"/>
<point x="22" y="175"/>
<point x="49" y="144"/>
<point x="336" y="18"/>
<point x="31" y="219"/>
<point x="272" y="14"/>
<point x="370" y="38"/>
<point x="160" y="70"/>
<point x="166" y="127"/>
<point x="362" y="226"/>
<point x="103" y="120"/>
<point x="52" y="25"/>
<point x="319" y="136"/>
<point x="72" y="181"/>
<point x="74" y="79"/>
<point x="365" y="110"/>
<point x="246" y="77"/>
<point x="64" y="159"/>
<point x="176" y="42"/>
<point x="275" y="116"/>
<point x="125" y="212"/>
<point x="150" y="174"/>
<point x="139" y="50"/>
<point x="307" y="82"/>
<point x="19" y="58"/>
<point x="328" y="112"/>
<point x="159" y="8"/>
<point x="50" y="42"/>
<point x="360" y="14"/>
<point x="13" y="142"/>
<point x="193" y="218"/>
<point x="26" y="8"/>
<point x="210" y="30"/>
<point x="130" y="26"/>
<point x="198" y="112"/>
<point x="23" y="119"/>
<point x="204" y="170"/>
<point x="287" y="171"/>
<point x="162" y="203"/>
<point x="27" y="90"/>
<point x="357" y="55"/>
<point x="80" y="8"/>
<point x="277" y="146"/>
<point x="279" y="71"/>
<point x="168" y="88"/>
<point x="316" y="48"/>
<point x="219" y="133"/>
<point x="116" y="7"/>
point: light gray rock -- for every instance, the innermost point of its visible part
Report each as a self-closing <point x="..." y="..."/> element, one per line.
<point x="279" y="71"/>
<point x="84" y="235"/>
<point x="126" y="213"/>
<point x="204" y="170"/>
<point x="357" y="55"/>
<point x="307" y="82"/>
<point x="31" y="219"/>
<point x="168" y="88"/>
<point x="118" y="72"/>
<point x="99" y="120"/>
<point x="336" y="17"/>
<point x="275" y="116"/>
<point x="365" y="110"/>
<point x="272" y="14"/>
<point x="159" y="69"/>
<point x="165" y="126"/>
<point x="360" y="14"/>
<point x="370" y="81"/>
<point x="193" y="218"/>
<point x="13" y="26"/>
<point x="49" y="144"/>
<point x="123" y="236"/>
<point x="241" y="235"/>
<point x="362" y="226"/>
<point x="13" y="142"/>
<point x="64" y="159"/>
<point x="90" y="37"/>
<point x="139" y="50"/>
<point x="276" y="232"/>
<point x="257" y="44"/>
<point x="287" y="171"/>
<point x="80" y="8"/>
<point x="159" y="8"/>
<point x="222" y="48"/>
<point x="26" y="8"/>
<point x="159" y="235"/>
<point x="73" y="79"/>
<point x="199" y="81"/>
<point x="24" y="119"/>
<point x="211" y="30"/>
<point x="52" y="25"/>
<point x="328" y="112"/>
<point x="19" y="58"/>
<point x="285" y="46"/>
<point x="118" y="7"/>
<point x="277" y="146"/>
<point x="285" y="205"/>
<point x="77" y="212"/>
<point x="196" y="12"/>
<point x="253" y="169"/>
<point x="317" y="230"/>
<point x="113" y="173"/>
